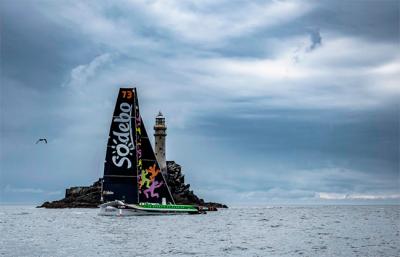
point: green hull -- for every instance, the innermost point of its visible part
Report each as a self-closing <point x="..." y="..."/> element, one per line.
<point x="119" y="208"/>
<point x="166" y="207"/>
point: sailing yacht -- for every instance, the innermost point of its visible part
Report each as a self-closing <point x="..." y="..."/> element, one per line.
<point x="132" y="182"/>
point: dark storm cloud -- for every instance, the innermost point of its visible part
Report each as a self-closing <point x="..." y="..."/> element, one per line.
<point x="373" y="20"/>
<point x="316" y="39"/>
<point x="297" y="153"/>
<point x="363" y="140"/>
<point x="34" y="50"/>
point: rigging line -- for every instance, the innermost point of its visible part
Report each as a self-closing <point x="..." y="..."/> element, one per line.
<point x="135" y="102"/>
<point x="172" y="198"/>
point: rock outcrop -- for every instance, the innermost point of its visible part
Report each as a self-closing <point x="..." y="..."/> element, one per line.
<point x="78" y="197"/>
<point x="89" y="196"/>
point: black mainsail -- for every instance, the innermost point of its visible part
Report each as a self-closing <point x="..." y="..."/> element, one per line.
<point x="131" y="171"/>
<point x="120" y="175"/>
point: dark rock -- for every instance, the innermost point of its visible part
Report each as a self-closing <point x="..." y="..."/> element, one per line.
<point x="215" y="205"/>
<point x="89" y="196"/>
<point x="78" y="197"/>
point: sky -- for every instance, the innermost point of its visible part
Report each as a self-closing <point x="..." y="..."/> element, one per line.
<point x="266" y="102"/>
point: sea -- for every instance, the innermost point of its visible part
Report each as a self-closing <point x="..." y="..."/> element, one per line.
<point x="237" y="231"/>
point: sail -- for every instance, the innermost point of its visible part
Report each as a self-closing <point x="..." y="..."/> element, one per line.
<point x="120" y="180"/>
<point x="152" y="184"/>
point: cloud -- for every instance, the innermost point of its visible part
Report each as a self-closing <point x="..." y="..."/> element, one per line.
<point x="146" y="24"/>
<point x="316" y="39"/>
<point x="266" y="179"/>
<point x="279" y="195"/>
<point x="339" y="196"/>
<point x="295" y="76"/>
<point x="277" y="82"/>
<point x="322" y="78"/>
<point x="93" y="20"/>
<point x="218" y="21"/>
<point x="17" y="190"/>
<point x="82" y="73"/>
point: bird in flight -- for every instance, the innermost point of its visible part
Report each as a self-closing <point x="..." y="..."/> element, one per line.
<point x="41" y="140"/>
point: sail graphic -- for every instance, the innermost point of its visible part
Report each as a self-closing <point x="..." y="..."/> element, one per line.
<point x="151" y="184"/>
<point x="131" y="171"/>
<point x="120" y="174"/>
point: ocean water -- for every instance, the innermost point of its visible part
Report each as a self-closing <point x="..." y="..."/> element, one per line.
<point x="259" y="231"/>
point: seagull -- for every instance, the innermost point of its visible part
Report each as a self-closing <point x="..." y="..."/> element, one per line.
<point x="41" y="140"/>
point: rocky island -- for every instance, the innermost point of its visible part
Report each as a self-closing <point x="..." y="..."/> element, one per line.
<point x="89" y="196"/>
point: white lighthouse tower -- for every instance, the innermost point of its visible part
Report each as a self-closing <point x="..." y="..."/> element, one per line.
<point x="159" y="136"/>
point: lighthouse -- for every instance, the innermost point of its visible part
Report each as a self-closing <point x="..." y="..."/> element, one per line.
<point x="159" y="136"/>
